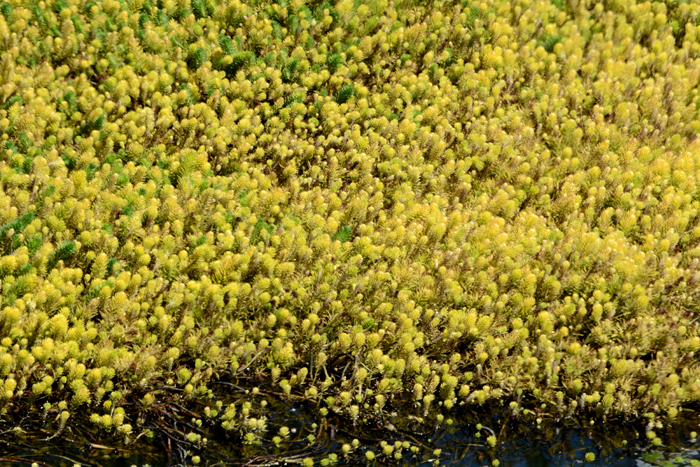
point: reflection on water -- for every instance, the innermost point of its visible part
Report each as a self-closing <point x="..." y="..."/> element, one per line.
<point x="564" y="446"/>
<point x="464" y="445"/>
<point x="66" y="454"/>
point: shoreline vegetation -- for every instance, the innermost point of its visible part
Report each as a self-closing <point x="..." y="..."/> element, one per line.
<point x="392" y="212"/>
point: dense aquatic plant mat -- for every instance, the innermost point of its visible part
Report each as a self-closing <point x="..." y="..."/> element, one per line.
<point x="389" y="211"/>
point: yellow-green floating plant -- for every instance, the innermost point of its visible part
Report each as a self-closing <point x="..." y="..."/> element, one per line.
<point x="370" y="206"/>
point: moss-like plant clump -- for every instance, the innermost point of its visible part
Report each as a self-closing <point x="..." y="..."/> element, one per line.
<point x="392" y="212"/>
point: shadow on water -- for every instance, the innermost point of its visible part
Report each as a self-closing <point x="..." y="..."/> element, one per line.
<point x="564" y="445"/>
<point x="464" y="444"/>
<point x="16" y="451"/>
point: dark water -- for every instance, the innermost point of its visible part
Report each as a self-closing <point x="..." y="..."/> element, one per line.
<point x="570" y="450"/>
<point x="521" y="445"/>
